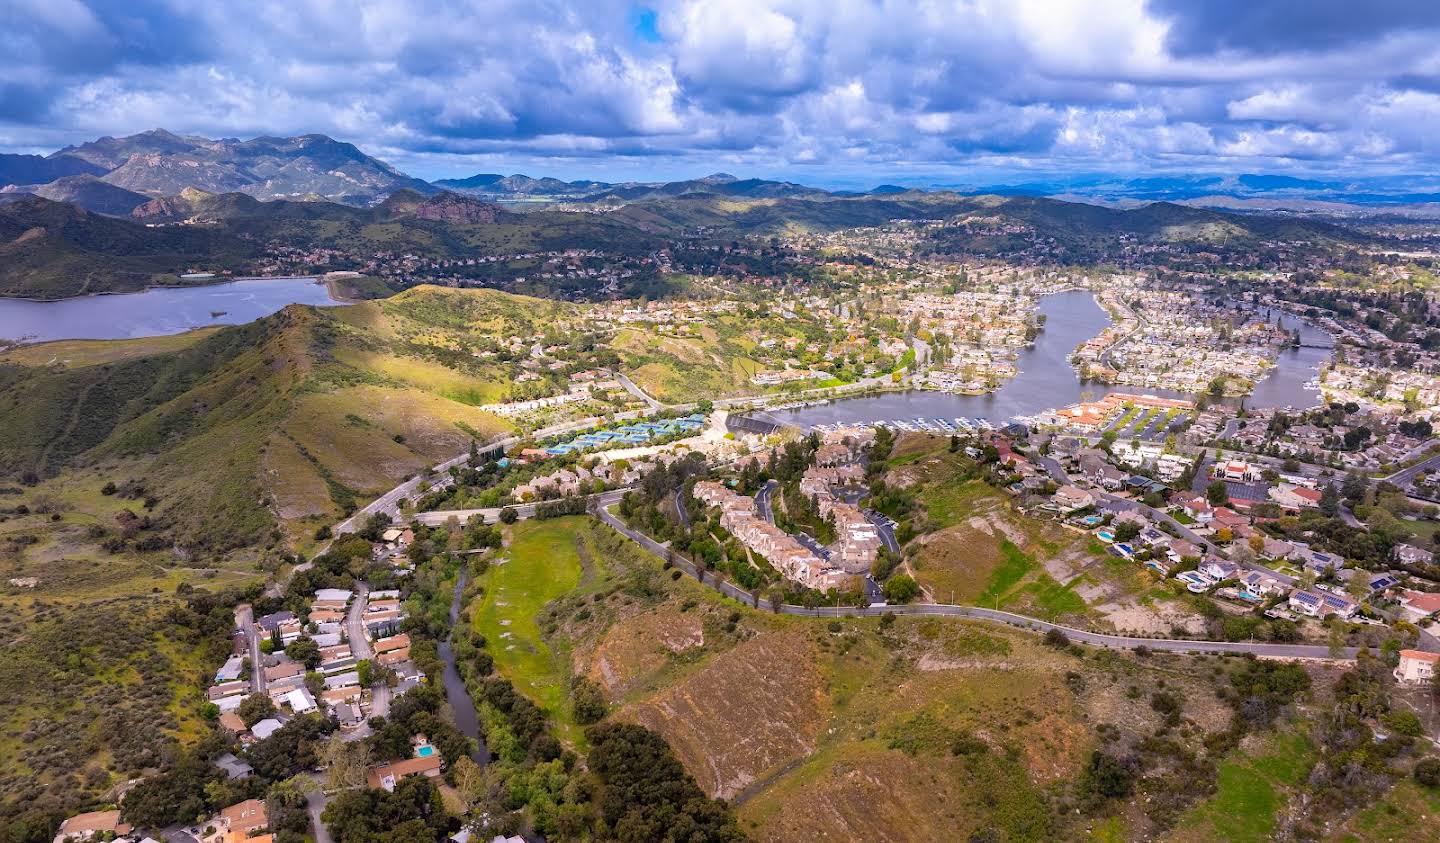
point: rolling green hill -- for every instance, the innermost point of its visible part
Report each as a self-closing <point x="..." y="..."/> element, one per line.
<point x="51" y="250"/>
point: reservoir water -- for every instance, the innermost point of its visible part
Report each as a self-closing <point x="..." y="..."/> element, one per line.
<point x="1046" y="380"/>
<point x="157" y="311"/>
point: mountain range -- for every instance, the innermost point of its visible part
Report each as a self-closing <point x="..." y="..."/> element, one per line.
<point x="117" y="175"/>
<point x="161" y="163"/>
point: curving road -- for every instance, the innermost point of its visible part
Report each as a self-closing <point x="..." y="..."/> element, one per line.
<point x="524" y="510"/>
<point x="1099" y="639"/>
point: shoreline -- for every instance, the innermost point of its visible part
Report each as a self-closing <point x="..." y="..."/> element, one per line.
<point x="152" y="287"/>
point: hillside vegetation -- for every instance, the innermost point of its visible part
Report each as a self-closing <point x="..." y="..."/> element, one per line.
<point x="289" y="421"/>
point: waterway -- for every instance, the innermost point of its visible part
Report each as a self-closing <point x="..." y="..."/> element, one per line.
<point x="461" y="706"/>
<point x="1046" y="380"/>
<point x="157" y="311"/>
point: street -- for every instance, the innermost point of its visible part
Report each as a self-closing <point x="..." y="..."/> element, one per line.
<point x="762" y="500"/>
<point x="245" y="620"/>
<point x="523" y="510"/>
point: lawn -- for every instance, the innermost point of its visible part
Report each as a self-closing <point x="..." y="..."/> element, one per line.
<point x="542" y="565"/>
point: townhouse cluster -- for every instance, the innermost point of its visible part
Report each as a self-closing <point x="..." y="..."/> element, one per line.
<point x="793" y="560"/>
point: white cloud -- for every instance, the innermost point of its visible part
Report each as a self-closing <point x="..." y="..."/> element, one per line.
<point x="889" y="84"/>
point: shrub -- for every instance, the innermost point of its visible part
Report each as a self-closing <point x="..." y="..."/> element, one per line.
<point x="1427" y="772"/>
<point x="1055" y="637"/>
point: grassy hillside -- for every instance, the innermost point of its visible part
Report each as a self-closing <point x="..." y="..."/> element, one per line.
<point x="53" y="250"/>
<point x="1067" y="222"/>
<point x="286" y="422"/>
<point x="906" y="729"/>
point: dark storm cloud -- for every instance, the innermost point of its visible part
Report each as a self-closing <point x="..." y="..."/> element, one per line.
<point x="1200" y="27"/>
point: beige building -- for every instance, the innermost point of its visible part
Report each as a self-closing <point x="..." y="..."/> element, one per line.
<point x="1416" y="666"/>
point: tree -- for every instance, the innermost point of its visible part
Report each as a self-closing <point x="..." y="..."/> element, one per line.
<point x="345" y="762"/>
<point x="587" y="701"/>
<point x="364" y="670"/>
<point x="255" y="708"/>
<point x="901" y="588"/>
<point x="1217" y="493"/>
<point x="508" y="515"/>
<point x="304" y="650"/>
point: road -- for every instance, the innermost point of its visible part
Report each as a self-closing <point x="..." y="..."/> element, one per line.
<point x="389" y="503"/>
<point x="523" y="510"/>
<point x="636" y="391"/>
<point x="355" y="624"/>
<point x="1293" y="651"/>
<point x="1405" y="476"/>
<point x="245" y="620"/>
<point x="762" y="500"/>
<point x="681" y="511"/>
<point x="886" y="528"/>
<point x="314" y="806"/>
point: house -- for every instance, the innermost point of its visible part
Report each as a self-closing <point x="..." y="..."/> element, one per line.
<point x="284" y="670"/>
<point x="1261" y="584"/>
<point x="386" y="776"/>
<point x="87" y="826"/>
<point x="265" y="728"/>
<point x="234" y="767"/>
<point x="239" y="821"/>
<point x="1418" y="605"/>
<point x="1237" y="471"/>
<point x="1198" y="509"/>
<point x="1219" y="569"/>
<point x="1276" y="549"/>
<point x="1071" y="498"/>
<point x="1295" y="498"/>
<point x="1409" y="554"/>
<point x="1416" y="667"/>
<point x="231" y="722"/>
<point x="1320" y="604"/>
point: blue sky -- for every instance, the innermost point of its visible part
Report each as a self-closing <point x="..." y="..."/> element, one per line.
<point x="841" y="92"/>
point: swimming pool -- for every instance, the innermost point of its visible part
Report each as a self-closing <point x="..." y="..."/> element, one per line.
<point x="425" y="751"/>
<point x="1105" y="536"/>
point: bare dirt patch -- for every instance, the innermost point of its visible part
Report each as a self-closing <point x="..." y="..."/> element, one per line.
<point x="749" y="711"/>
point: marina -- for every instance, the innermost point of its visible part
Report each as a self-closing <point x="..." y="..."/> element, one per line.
<point x="1047" y="381"/>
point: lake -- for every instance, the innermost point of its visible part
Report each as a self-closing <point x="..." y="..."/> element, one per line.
<point x="1046" y="380"/>
<point x="157" y="311"/>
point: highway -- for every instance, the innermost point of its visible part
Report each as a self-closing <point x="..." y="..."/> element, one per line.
<point x="1291" y="651"/>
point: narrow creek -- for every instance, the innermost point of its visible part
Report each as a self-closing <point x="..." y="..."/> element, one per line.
<point x="463" y="708"/>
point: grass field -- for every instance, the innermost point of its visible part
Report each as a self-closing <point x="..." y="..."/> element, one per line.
<point x="1251" y="791"/>
<point x="542" y="565"/>
<point x="75" y="353"/>
<point x="1407" y="812"/>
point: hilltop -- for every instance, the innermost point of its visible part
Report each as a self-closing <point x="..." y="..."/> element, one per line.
<point x="161" y="163"/>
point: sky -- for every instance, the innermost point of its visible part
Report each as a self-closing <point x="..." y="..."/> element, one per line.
<point x="829" y="92"/>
